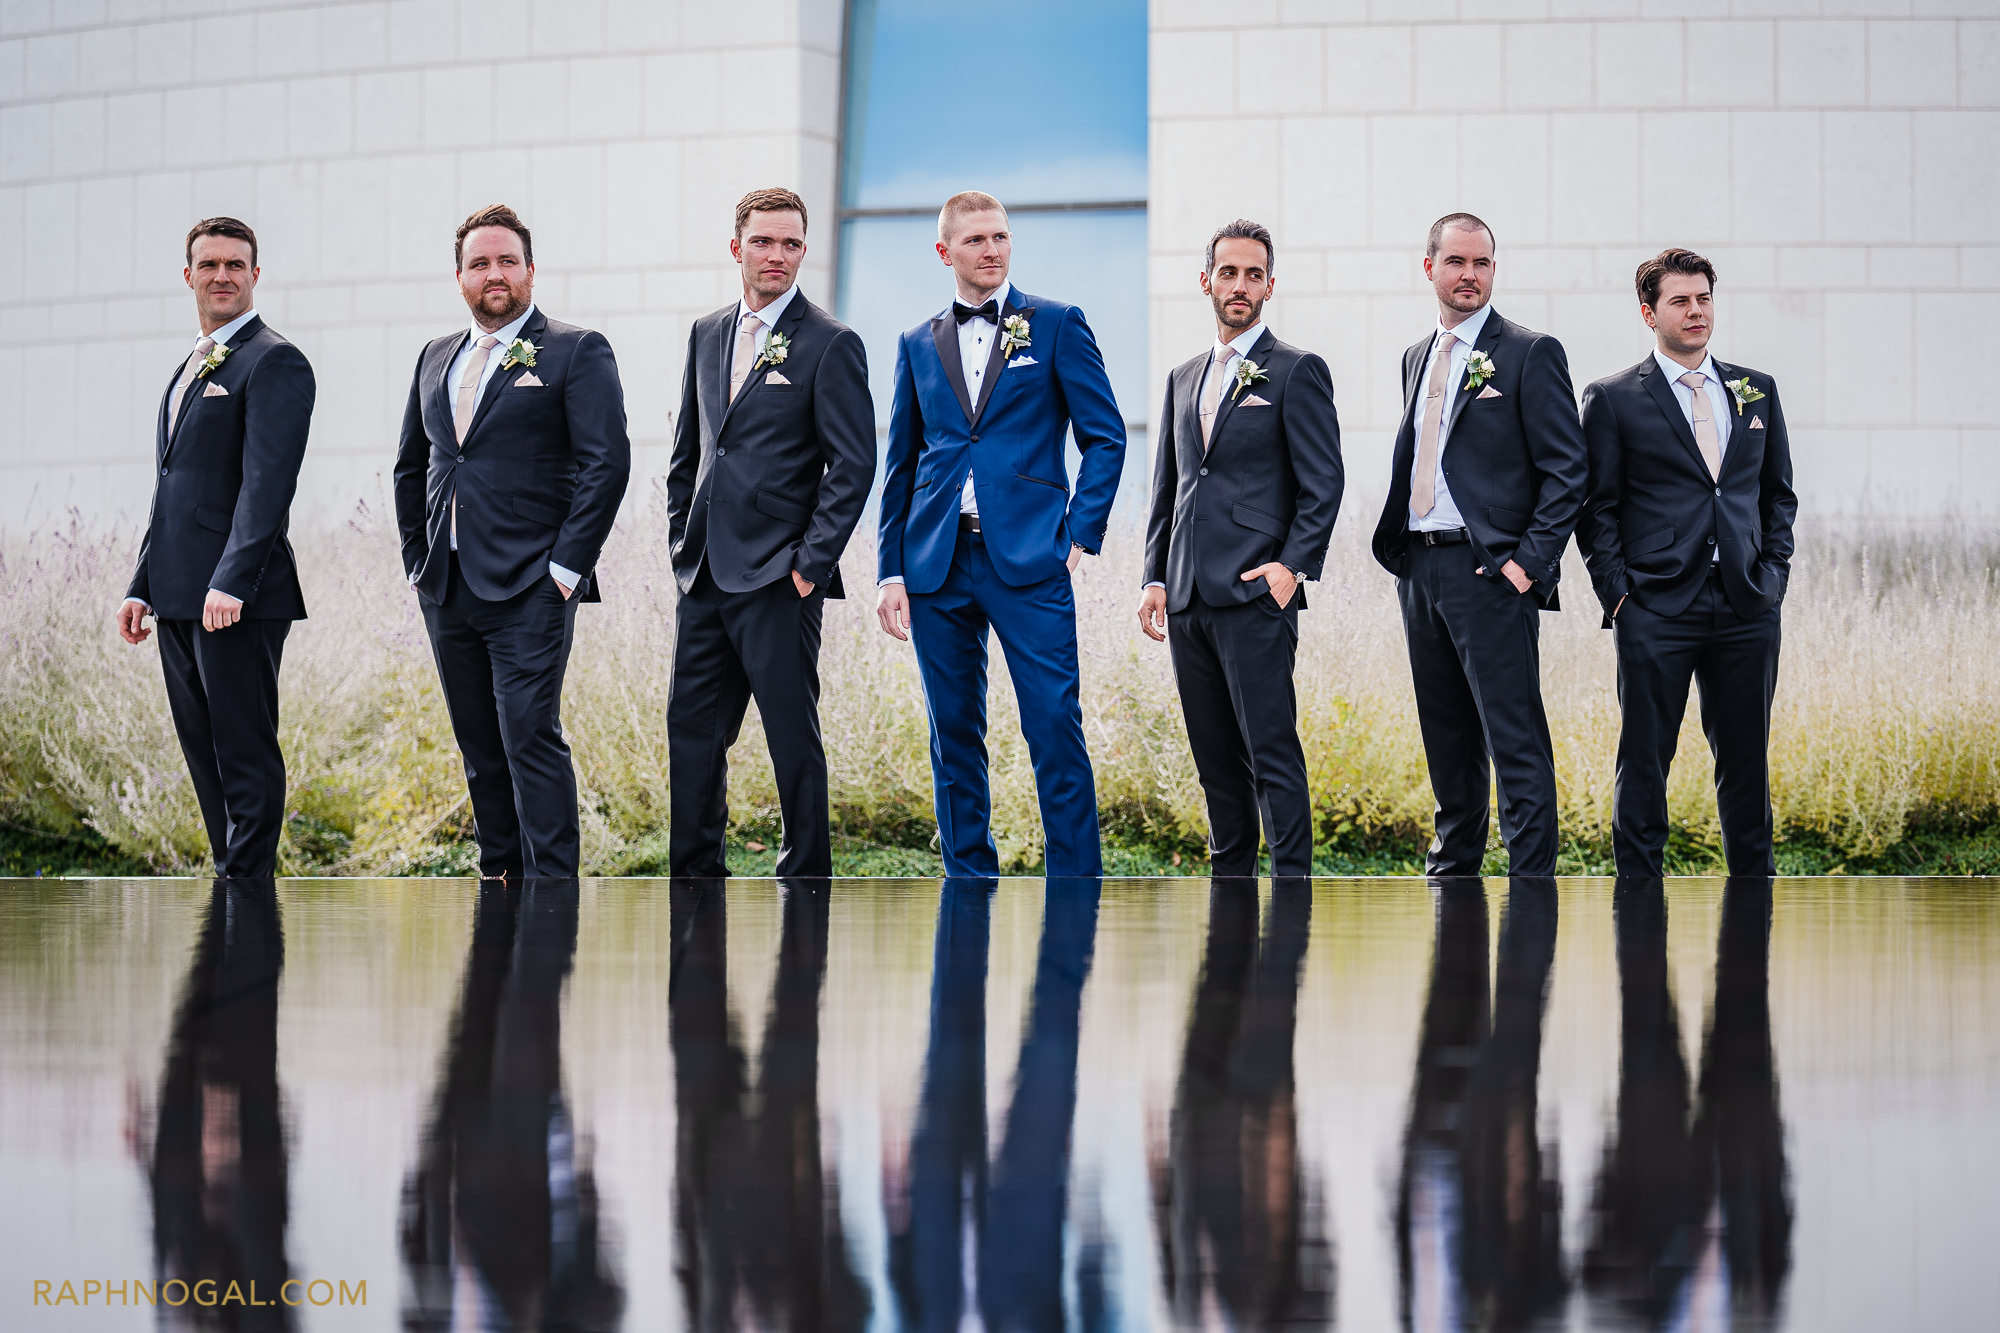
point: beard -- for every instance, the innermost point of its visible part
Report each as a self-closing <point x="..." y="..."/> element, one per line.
<point x="1224" y="318"/>
<point x="502" y="307"/>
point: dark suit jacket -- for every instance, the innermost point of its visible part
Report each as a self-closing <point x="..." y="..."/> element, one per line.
<point x="1654" y="519"/>
<point x="228" y="467"/>
<point x="1516" y="463"/>
<point x="1267" y="489"/>
<point x="538" y="478"/>
<point x="775" y="481"/>
<point x="1029" y="514"/>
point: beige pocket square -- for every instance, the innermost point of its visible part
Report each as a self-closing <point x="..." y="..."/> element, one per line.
<point x="775" y="378"/>
<point x="1490" y="392"/>
<point x="214" y="390"/>
<point x="1756" y="423"/>
<point x="528" y="381"/>
<point x="1252" y="400"/>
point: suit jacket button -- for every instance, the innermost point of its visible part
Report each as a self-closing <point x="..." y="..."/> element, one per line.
<point x="975" y="439"/>
<point x="1204" y="472"/>
<point x="1718" y="490"/>
<point x="163" y="472"/>
<point x="461" y="458"/>
<point x="1711" y="541"/>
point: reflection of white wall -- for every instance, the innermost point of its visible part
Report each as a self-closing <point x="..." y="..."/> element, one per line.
<point x="354" y="137"/>
<point x="1839" y="171"/>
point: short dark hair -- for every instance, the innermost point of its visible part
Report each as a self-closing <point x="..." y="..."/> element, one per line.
<point x="1243" y="229"/>
<point x="229" y="227"/>
<point x="1673" y="259"/>
<point x="774" y="200"/>
<point x="1465" y="220"/>
<point x="493" y="215"/>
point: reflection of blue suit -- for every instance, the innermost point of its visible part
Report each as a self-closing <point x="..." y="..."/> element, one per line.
<point x="1011" y="575"/>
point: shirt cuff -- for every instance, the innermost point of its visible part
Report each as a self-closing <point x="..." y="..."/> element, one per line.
<point x="140" y="601"/>
<point x="568" y="578"/>
<point x="230" y="595"/>
<point x="1156" y="585"/>
<point x="893" y="578"/>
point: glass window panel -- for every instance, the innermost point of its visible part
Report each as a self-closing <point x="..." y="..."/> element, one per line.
<point x="1034" y="101"/>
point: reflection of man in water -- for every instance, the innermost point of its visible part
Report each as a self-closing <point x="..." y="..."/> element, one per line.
<point x="218" y="1168"/>
<point x="1237" y="1220"/>
<point x="499" y="1227"/>
<point x="1692" y="1220"/>
<point x="1479" y="1216"/>
<point x="756" y="1221"/>
<point x="973" y="1243"/>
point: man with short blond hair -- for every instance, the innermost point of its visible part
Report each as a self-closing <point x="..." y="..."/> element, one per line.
<point x="1687" y="529"/>
<point x="981" y="530"/>
<point x="774" y="454"/>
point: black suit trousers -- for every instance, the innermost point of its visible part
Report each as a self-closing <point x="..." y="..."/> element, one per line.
<point x="1475" y="659"/>
<point x="223" y="689"/>
<point x="1233" y="665"/>
<point x="729" y="648"/>
<point x="1735" y="661"/>
<point x="502" y="667"/>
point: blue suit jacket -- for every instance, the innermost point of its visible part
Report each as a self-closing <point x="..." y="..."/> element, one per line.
<point x="1013" y="442"/>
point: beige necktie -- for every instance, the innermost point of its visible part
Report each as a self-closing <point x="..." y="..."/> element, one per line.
<point x="1211" y="391"/>
<point x="746" y="353"/>
<point x="468" y="386"/>
<point x="1423" y="490"/>
<point x="195" y="358"/>
<point x="1704" y="425"/>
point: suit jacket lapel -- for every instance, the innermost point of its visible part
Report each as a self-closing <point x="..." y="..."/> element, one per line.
<point x="944" y="333"/>
<point x="164" y="428"/>
<point x="196" y="387"/>
<point x="1187" y="411"/>
<point x="1489" y="338"/>
<point x="1231" y="394"/>
<point x="994" y="361"/>
<point x="535" y="331"/>
<point x="440" y="392"/>
<point x="788" y="325"/>
<point x="1669" y="404"/>
<point x="717" y="345"/>
<point x="1738" y="421"/>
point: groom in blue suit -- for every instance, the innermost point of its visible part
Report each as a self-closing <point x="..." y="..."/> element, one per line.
<point x="980" y="528"/>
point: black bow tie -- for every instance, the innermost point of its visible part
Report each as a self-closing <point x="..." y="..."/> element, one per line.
<point x="990" y="312"/>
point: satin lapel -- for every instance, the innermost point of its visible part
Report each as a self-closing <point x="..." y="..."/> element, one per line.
<point x="990" y="382"/>
<point x="1669" y="404"/>
<point x="788" y="325"/>
<point x="1232" y="393"/>
<point x="1489" y="338"/>
<point x="944" y="333"/>
<point x="440" y="392"/>
<point x="535" y="331"/>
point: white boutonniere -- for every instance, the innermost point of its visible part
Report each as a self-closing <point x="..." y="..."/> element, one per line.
<point x="1478" y="369"/>
<point x="216" y="356"/>
<point x="520" y="352"/>
<point x="1013" y="334"/>
<point x="1248" y="372"/>
<point x="776" y="348"/>
<point x="1745" y="392"/>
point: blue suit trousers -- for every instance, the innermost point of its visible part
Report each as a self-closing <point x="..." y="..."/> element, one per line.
<point x="1037" y="628"/>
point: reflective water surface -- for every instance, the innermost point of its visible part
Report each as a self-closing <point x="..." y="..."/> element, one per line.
<point x="899" y="1104"/>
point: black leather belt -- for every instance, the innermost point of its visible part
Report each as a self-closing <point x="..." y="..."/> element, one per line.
<point x="968" y="522"/>
<point x="1448" y="537"/>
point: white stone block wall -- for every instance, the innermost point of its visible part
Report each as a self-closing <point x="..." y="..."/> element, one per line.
<point x="354" y="137"/>
<point x="1838" y="160"/>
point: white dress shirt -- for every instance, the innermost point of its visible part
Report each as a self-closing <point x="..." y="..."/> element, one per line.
<point x="1718" y="403"/>
<point x="222" y="337"/>
<point x="454" y="376"/>
<point x="974" y="337"/>
<point x="1241" y="345"/>
<point x="1444" y="513"/>
<point x="769" y="317"/>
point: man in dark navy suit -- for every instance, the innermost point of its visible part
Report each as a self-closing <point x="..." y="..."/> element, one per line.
<point x="512" y="461"/>
<point x="1246" y="486"/>
<point x="980" y="529"/>
<point x="1487" y="478"/>
<point x="216" y="570"/>
<point x="1688" y="533"/>
<point x="774" y="452"/>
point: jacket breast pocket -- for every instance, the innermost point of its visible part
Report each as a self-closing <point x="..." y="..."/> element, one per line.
<point x="1659" y="539"/>
<point x="1507" y="520"/>
<point x="538" y="512"/>
<point x="1259" y="521"/>
<point x="212" y="519"/>
<point x="786" y="511"/>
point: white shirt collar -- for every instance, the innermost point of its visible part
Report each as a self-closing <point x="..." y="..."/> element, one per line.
<point x="771" y="313"/>
<point x="999" y="298"/>
<point x="1673" y="369"/>
<point x="229" y="330"/>
<point x="1468" y="331"/>
<point x="506" y="333"/>
<point x="1243" y="341"/>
